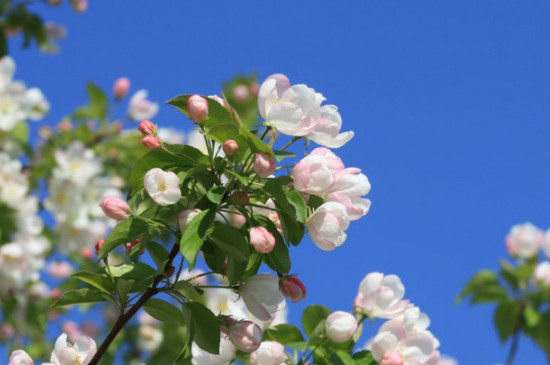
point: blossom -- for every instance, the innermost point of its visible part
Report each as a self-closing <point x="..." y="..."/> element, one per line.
<point x="394" y="346"/>
<point x="264" y="165"/>
<point x="381" y="296"/>
<point x="296" y="110"/>
<point x="292" y="288"/>
<point x="327" y="224"/>
<point x="81" y="353"/>
<point x="147" y="127"/>
<point x="542" y="274"/>
<point x="140" y="108"/>
<point x="269" y="353"/>
<point x="121" y="87"/>
<point x="245" y="335"/>
<point x="162" y="186"/>
<point x="524" y="240"/>
<point x="226" y="353"/>
<point x="20" y="357"/>
<point x="197" y="106"/>
<point x="230" y="146"/>
<point x="151" y="142"/>
<point x="261" y="239"/>
<point x="115" y="208"/>
<point x="262" y="296"/>
<point x="340" y="326"/>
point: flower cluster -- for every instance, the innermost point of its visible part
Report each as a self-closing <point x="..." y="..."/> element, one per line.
<point x="75" y="189"/>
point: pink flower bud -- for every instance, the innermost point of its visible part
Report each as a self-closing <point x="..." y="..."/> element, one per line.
<point x="121" y="87"/>
<point x="292" y="288"/>
<point x="6" y="331"/>
<point x="197" y="106"/>
<point x="185" y="217"/>
<point x="269" y="352"/>
<point x="245" y="335"/>
<point x="264" y="164"/>
<point x="147" y="127"/>
<point x="340" y="326"/>
<point x="241" y="93"/>
<point x="87" y="253"/>
<point x="79" y="6"/>
<point x="98" y="246"/>
<point x="254" y="88"/>
<point x="230" y="147"/>
<point x="54" y="2"/>
<point x="129" y="246"/>
<point x="151" y="142"/>
<point x="115" y="208"/>
<point x="56" y="293"/>
<point x="262" y="240"/>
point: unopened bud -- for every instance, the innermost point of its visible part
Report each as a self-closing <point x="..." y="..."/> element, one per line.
<point x="197" y="106"/>
<point x="341" y="326"/>
<point x="98" y="246"/>
<point x="121" y="87"/>
<point x="230" y="147"/>
<point x="292" y="288"/>
<point x="262" y="240"/>
<point x="147" y="127"/>
<point x="240" y="198"/>
<point x="115" y="208"/>
<point x="151" y="142"/>
<point x="264" y="165"/>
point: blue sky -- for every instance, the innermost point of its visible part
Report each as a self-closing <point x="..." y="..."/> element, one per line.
<point x="449" y="101"/>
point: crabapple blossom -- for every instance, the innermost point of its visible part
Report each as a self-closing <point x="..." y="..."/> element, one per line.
<point x="197" y="106"/>
<point x="115" y="208"/>
<point x="296" y="110"/>
<point x="185" y="217"/>
<point x="261" y="239"/>
<point x="340" y="326"/>
<point x="64" y="353"/>
<point x="151" y="142"/>
<point x="262" y="296"/>
<point x="147" y="127"/>
<point x="60" y="269"/>
<point x="162" y="186"/>
<point x="546" y="244"/>
<point x="20" y="357"/>
<point x="380" y="296"/>
<point x="140" y="108"/>
<point x="312" y="175"/>
<point x="292" y="288"/>
<point x="327" y="224"/>
<point x="241" y="93"/>
<point x="524" y="240"/>
<point x="226" y="354"/>
<point x="269" y="353"/>
<point x="394" y="346"/>
<point x="264" y="165"/>
<point x="150" y="338"/>
<point x="542" y="274"/>
<point x="230" y="147"/>
<point x="121" y="87"/>
<point x="245" y="335"/>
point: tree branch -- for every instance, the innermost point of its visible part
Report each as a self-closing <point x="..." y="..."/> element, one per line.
<point x="124" y="318"/>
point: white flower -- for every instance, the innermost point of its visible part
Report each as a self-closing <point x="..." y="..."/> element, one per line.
<point x="524" y="240"/>
<point x="77" y="164"/>
<point x="20" y="357"/>
<point x="262" y="296"/>
<point x="327" y="224"/>
<point x="341" y="326"/>
<point x="201" y="357"/>
<point x="140" y="108"/>
<point x="381" y="296"/>
<point x="66" y="354"/>
<point x="269" y="353"/>
<point x="162" y="186"/>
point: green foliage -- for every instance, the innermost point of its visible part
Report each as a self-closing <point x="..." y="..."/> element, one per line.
<point x="507" y="318"/>
<point x="194" y="235"/>
<point x="81" y="296"/>
<point x="165" y="312"/>
<point x="125" y="231"/>
<point x="205" y="326"/>
<point x="98" y="106"/>
<point x="483" y="287"/>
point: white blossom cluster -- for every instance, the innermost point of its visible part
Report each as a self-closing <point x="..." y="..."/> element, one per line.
<point x="23" y="256"/>
<point x="75" y="189"/>
<point x="17" y="103"/>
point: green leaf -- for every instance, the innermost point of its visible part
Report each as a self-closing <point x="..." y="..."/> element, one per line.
<point x="281" y="155"/>
<point x="99" y="281"/>
<point x="205" y="325"/>
<point x="99" y="103"/>
<point x="140" y="271"/>
<point x="312" y="316"/>
<point x="164" y="311"/>
<point x="157" y="252"/>
<point x="235" y="270"/>
<point x="125" y="231"/>
<point x="532" y="316"/>
<point x="20" y="132"/>
<point x="483" y="288"/>
<point x="283" y="333"/>
<point x="256" y="144"/>
<point x="3" y="43"/>
<point x="297" y="201"/>
<point x="124" y="287"/>
<point x="216" y="194"/>
<point x="342" y="358"/>
<point x="231" y="241"/>
<point x="194" y="234"/>
<point x="279" y="258"/>
<point x="292" y="229"/>
<point x="81" y="296"/>
<point x="541" y="334"/>
<point x="364" y="358"/>
<point x="190" y="291"/>
<point x="506" y="318"/>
